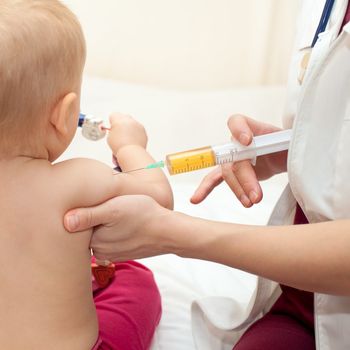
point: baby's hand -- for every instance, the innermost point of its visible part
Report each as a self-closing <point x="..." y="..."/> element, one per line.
<point x="125" y="131"/>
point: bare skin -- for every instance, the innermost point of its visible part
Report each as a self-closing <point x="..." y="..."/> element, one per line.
<point x="47" y="294"/>
<point x="285" y="254"/>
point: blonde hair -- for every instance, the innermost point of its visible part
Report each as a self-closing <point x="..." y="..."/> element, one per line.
<point x="42" y="54"/>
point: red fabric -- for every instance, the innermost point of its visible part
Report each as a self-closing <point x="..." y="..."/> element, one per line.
<point x="276" y="332"/>
<point x="128" y="309"/>
<point x="297" y="303"/>
<point x="299" y="217"/>
<point x="347" y="16"/>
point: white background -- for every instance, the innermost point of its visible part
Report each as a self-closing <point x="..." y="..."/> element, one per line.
<point x="192" y="44"/>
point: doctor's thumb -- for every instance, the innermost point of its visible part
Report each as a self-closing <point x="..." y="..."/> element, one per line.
<point x="77" y="220"/>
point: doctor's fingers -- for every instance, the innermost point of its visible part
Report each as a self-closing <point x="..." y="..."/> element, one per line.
<point x="241" y="178"/>
<point x="209" y="182"/>
<point x="240" y="129"/>
<point x="244" y="128"/>
<point x="232" y="181"/>
<point x="247" y="177"/>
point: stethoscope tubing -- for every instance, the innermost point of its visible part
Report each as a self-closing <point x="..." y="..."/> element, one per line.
<point x="326" y="14"/>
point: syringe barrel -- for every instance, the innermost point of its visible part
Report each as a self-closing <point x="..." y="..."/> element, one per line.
<point x="195" y="159"/>
<point x="273" y="142"/>
<point x="230" y="152"/>
<point x="233" y="151"/>
<point x="263" y="144"/>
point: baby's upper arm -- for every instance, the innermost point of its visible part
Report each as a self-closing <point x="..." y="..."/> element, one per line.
<point x="85" y="182"/>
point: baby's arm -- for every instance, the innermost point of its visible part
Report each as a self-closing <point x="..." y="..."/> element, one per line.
<point x="127" y="139"/>
<point x="87" y="182"/>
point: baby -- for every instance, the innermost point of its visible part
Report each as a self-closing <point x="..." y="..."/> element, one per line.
<point x="46" y="298"/>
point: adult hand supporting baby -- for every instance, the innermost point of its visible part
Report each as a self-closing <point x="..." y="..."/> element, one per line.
<point x="124" y="227"/>
<point x="135" y="226"/>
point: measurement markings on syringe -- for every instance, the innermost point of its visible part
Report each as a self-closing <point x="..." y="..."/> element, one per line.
<point x="226" y="157"/>
<point x="191" y="167"/>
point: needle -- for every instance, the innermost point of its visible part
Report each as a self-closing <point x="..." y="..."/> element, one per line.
<point x="127" y="172"/>
<point x="150" y="166"/>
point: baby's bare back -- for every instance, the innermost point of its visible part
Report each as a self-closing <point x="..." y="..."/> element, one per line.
<point x="45" y="299"/>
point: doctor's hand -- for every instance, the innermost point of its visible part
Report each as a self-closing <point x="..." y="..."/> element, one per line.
<point x="125" y="227"/>
<point x="242" y="177"/>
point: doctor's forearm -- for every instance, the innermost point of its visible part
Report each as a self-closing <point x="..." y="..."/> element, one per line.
<point x="312" y="257"/>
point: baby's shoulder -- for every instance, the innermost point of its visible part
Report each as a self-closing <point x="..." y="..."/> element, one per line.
<point x="84" y="181"/>
<point x="78" y="166"/>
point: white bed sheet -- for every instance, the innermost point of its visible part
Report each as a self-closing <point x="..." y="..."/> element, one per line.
<point x="178" y="120"/>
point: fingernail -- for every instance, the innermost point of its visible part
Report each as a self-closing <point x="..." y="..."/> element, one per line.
<point x="73" y="222"/>
<point x="253" y="196"/>
<point x="245" y="200"/>
<point x="244" y="139"/>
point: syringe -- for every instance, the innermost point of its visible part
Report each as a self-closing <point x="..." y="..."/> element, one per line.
<point x="231" y="152"/>
<point x="204" y="157"/>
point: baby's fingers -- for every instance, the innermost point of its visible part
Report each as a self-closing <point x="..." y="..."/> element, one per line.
<point x="209" y="182"/>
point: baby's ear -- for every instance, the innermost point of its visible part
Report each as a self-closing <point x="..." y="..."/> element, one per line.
<point x="64" y="113"/>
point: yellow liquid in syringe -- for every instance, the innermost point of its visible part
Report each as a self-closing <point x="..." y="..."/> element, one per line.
<point x="195" y="159"/>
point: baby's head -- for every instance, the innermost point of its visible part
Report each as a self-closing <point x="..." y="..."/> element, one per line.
<point x="42" y="55"/>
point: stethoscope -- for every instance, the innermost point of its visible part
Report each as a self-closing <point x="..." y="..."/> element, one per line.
<point x="322" y="25"/>
<point x="326" y="14"/>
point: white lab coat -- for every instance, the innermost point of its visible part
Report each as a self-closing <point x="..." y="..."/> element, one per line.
<point x="318" y="169"/>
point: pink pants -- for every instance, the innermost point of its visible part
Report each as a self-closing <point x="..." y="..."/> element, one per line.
<point x="128" y="309"/>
